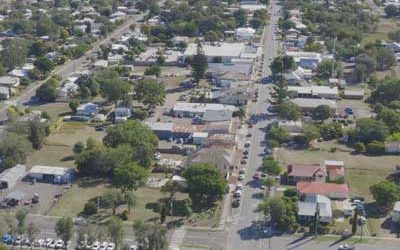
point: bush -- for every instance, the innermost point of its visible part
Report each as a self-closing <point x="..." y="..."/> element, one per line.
<point x="124" y="215"/>
<point x="290" y="192"/>
<point x="359" y="147"/>
<point x="90" y="208"/>
<point x="376" y="148"/>
<point x="273" y="143"/>
<point x="139" y="114"/>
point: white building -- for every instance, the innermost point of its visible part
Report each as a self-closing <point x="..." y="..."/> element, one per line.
<point x="56" y="175"/>
<point x="87" y="109"/>
<point x="199" y="138"/>
<point x="244" y="33"/>
<point x="225" y="51"/>
<point x="392" y="147"/>
<point x="396" y="212"/>
<point x="9" y="81"/>
<point x="307" y="208"/>
<point x="10" y="176"/>
<point x="192" y="109"/>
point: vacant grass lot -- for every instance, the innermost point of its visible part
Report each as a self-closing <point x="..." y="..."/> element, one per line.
<point x="385" y="26"/>
<point x="72" y="203"/>
<point x="57" y="150"/>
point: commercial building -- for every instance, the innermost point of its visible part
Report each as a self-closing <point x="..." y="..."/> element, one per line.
<point x="9" y="177"/>
<point x="198" y="109"/>
<point x="308" y="105"/>
<point x="314" y="92"/>
<point x="49" y="174"/>
<point x="244" y="33"/>
<point x="224" y="51"/>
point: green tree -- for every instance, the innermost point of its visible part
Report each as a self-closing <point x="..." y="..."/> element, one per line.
<point x="112" y="199"/>
<point x="150" y="236"/>
<point x="116" y="231"/>
<point x="331" y="130"/>
<point x="154" y="70"/>
<point x="359" y="147"/>
<point x="199" y="64"/>
<point x="391" y="118"/>
<point x="240" y="17"/>
<point x="324" y="69"/>
<point x="65" y="229"/>
<point x="282" y="64"/>
<point x="322" y="112"/>
<point x="130" y="177"/>
<point x="288" y="111"/>
<point x="391" y="10"/>
<point x="131" y="200"/>
<point x="47" y="92"/>
<point x="141" y="139"/>
<point x="271" y="166"/>
<point x="278" y="134"/>
<point x="163" y="213"/>
<point x="385" y="193"/>
<point x="73" y="105"/>
<point x="282" y="211"/>
<point x="205" y="183"/>
<point x="37" y="133"/>
<point x="369" y="130"/>
<point x="21" y="219"/>
<point x="14" y="148"/>
<point x="387" y="91"/>
<point x="385" y="58"/>
<point x="114" y="89"/>
<point x="14" y="53"/>
<point x="150" y="92"/>
<point x="44" y="65"/>
<point x="375" y="148"/>
<point x="269" y="182"/>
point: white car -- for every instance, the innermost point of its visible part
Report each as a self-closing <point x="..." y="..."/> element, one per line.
<point x="346" y="247"/>
<point x="48" y="242"/>
<point x="52" y="244"/>
<point x="96" y="245"/>
<point x="241" y="177"/>
<point x="39" y="243"/>
<point x="242" y="171"/>
<point x="103" y="245"/>
<point x="133" y="247"/>
<point x="111" y="246"/>
<point x="59" y="244"/>
<point x="239" y="186"/>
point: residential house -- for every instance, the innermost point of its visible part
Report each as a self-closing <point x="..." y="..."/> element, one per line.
<point x="5" y="93"/>
<point x="298" y="173"/>
<point x="396" y="212"/>
<point x="100" y="64"/>
<point x="122" y="113"/>
<point x="224" y="159"/>
<point x="87" y="109"/>
<point x="118" y="48"/>
<point x="9" y="81"/>
<point x="330" y="190"/>
<point x="299" y="76"/>
<point x="234" y="96"/>
<point x="334" y="169"/>
<point x="224" y="74"/>
<point x="392" y="146"/>
<point x="307" y="208"/>
<point x="353" y="94"/>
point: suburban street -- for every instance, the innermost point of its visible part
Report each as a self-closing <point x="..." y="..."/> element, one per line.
<point x="69" y="67"/>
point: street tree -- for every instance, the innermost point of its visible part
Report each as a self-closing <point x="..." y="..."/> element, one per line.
<point x="271" y="166"/>
<point x="116" y="231"/>
<point x="288" y="111"/>
<point x="205" y="183"/>
<point x="65" y="229"/>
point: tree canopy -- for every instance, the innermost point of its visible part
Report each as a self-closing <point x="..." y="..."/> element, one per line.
<point x="385" y="193"/>
<point x="368" y="129"/>
<point x="288" y="111"/>
<point x="150" y="92"/>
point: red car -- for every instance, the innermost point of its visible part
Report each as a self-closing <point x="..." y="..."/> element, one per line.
<point x="257" y="176"/>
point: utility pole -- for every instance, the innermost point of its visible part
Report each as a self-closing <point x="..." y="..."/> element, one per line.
<point x="316" y="219"/>
<point x="333" y="57"/>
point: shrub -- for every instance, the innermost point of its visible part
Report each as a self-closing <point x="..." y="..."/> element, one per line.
<point x="290" y="192"/>
<point x="90" y="208"/>
<point x="376" y="148"/>
<point x="359" y="147"/>
<point x="124" y="215"/>
<point x="140" y="114"/>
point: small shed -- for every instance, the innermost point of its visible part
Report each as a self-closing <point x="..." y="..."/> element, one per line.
<point x="9" y="177"/>
<point x="49" y="174"/>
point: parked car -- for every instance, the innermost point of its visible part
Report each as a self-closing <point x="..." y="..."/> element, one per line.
<point x="8" y="239"/>
<point x="242" y="171"/>
<point x="346" y="247"/>
<point x="18" y="240"/>
<point x="243" y="161"/>
<point x="96" y="245"/>
<point x="103" y="245"/>
<point x="110" y="246"/>
<point x="39" y="243"/>
<point x="241" y="177"/>
<point x="59" y="244"/>
<point x="235" y="203"/>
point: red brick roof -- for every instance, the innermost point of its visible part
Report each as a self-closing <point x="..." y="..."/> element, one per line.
<point x="322" y="188"/>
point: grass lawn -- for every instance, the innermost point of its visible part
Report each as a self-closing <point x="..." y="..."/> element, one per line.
<point x="55" y="109"/>
<point x="57" y="150"/>
<point x="72" y="203"/>
<point x="385" y="26"/>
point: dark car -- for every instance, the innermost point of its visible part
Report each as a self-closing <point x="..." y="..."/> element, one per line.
<point x="235" y="203"/>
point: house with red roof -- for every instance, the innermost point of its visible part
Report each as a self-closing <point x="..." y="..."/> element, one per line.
<point x="330" y="190"/>
<point x="297" y="173"/>
<point x="334" y="169"/>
